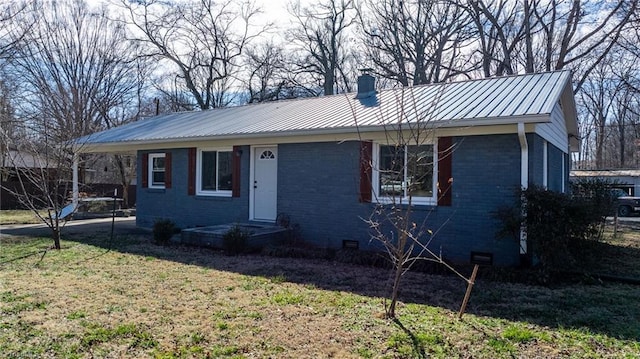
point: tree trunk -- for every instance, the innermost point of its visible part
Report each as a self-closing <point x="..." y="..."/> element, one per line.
<point x="527" y="37"/>
<point x="622" y="145"/>
<point x="391" y="311"/>
<point x="125" y="195"/>
<point x="56" y="237"/>
<point x="600" y="140"/>
<point x="329" y="79"/>
<point x="123" y="180"/>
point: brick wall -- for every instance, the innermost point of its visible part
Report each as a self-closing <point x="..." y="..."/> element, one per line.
<point x="486" y="171"/>
<point x="318" y="186"/>
<point x="190" y="211"/>
<point x="323" y="199"/>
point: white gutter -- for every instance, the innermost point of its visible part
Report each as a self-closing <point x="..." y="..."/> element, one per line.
<point x="545" y="165"/>
<point x="524" y="181"/>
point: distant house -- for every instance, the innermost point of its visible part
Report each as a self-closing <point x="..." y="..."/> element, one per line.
<point x="321" y="161"/>
<point x="13" y="163"/>
<point x="16" y="164"/>
<point x="14" y="160"/>
<point x="626" y="179"/>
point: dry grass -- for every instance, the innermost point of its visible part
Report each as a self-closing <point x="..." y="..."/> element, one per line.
<point x="18" y="216"/>
<point x="618" y="255"/>
<point x="135" y="299"/>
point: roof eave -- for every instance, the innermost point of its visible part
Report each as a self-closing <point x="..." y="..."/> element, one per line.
<point x="129" y="146"/>
<point x="568" y="102"/>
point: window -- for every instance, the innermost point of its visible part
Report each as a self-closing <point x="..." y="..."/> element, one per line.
<point x="405" y="171"/>
<point x="156" y="170"/>
<point x="267" y="155"/>
<point x="214" y="172"/>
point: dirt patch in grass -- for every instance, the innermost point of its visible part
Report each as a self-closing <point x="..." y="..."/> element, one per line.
<point x="131" y="298"/>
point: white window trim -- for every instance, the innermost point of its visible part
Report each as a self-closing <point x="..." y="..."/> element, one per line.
<point x="421" y="201"/>
<point x="199" y="190"/>
<point x="152" y="156"/>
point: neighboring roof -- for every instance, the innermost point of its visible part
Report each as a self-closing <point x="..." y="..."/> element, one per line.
<point x="606" y="173"/>
<point x="21" y="159"/>
<point x="501" y="100"/>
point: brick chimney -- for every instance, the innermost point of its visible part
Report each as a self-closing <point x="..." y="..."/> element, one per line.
<point x="366" y="84"/>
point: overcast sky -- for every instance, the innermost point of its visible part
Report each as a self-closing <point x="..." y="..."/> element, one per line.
<point x="274" y="11"/>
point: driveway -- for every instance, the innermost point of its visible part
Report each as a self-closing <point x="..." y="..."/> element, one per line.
<point x="122" y="225"/>
<point x="632" y="219"/>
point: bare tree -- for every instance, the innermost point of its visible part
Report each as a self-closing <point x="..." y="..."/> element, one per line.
<point x="10" y="129"/>
<point x="415" y="42"/>
<point x="12" y="35"/>
<point x="203" y="39"/>
<point x="41" y="167"/>
<point x="595" y="96"/>
<point x="537" y="35"/>
<point x="120" y="97"/>
<point x="78" y="75"/>
<point x="608" y="102"/>
<point x="404" y="167"/>
<point x="267" y="72"/>
<point x="625" y="71"/>
<point x="501" y="30"/>
<point x="320" y="34"/>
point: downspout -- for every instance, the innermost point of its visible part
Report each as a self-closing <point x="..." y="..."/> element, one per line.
<point x="524" y="183"/>
<point x="75" y="181"/>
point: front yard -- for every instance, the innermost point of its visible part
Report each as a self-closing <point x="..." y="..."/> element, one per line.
<point x="134" y="299"/>
<point x="20" y="216"/>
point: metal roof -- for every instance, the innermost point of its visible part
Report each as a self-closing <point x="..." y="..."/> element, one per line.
<point x="606" y="173"/>
<point x="24" y="159"/>
<point x="500" y="100"/>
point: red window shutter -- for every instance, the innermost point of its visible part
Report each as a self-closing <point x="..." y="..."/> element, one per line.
<point x="191" y="171"/>
<point x="366" y="153"/>
<point x="235" y="171"/>
<point x="145" y="170"/>
<point x="167" y="170"/>
<point x="445" y="171"/>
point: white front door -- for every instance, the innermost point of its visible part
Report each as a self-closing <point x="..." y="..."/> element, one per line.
<point x="265" y="183"/>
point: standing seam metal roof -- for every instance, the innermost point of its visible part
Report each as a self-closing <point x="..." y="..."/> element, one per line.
<point x="498" y="99"/>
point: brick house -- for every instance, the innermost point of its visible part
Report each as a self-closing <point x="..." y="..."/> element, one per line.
<point x="325" y="162"/>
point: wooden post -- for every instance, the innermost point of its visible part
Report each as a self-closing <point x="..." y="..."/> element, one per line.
<point x="468" y="293"/>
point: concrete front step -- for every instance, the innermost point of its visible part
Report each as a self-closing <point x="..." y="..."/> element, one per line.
<point x="260" y="234"/>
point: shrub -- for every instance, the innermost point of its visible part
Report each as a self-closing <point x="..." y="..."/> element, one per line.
<point x="235" y="240"/>
<point x="596" y="197"/>
<point x="163" y="230"/>
<point x="558" y="225"/>
<point x="551" y="220"/>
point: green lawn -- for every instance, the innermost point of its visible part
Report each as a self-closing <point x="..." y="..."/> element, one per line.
<point x="134" y="299"/>
<point x="18" y="216"/>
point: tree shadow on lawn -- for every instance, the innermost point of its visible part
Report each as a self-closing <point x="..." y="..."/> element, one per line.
<point x="609" y="309"/>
